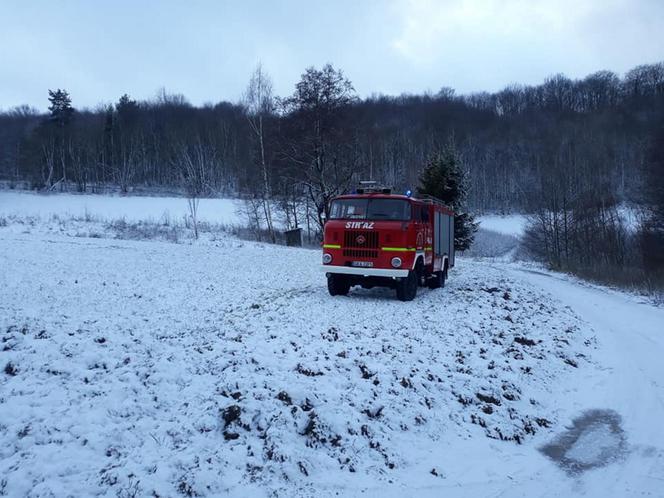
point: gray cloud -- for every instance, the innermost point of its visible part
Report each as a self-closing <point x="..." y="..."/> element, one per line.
<point x="207" y="49"/>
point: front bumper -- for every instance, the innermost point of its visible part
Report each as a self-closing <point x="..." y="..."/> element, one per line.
<point x="365" y="272"/>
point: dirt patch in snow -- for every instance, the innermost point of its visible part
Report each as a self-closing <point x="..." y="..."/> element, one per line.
<point x="595" y="439"/>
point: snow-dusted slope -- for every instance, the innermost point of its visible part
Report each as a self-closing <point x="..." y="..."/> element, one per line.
<point x="226" y="369"/>
<point x="125" y="362"/>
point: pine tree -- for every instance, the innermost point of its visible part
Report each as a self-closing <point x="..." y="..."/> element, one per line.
<point x="60" y="108"/>
<point x="443" y="177"/>
<point x="60" y="119"/>
<point x="127" y="109"/>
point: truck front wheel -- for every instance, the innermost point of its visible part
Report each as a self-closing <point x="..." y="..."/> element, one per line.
<point x="337" y="285"/>
<point x="407" y="287"/>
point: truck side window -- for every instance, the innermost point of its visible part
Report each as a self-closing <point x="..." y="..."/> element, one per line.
<point x="425" y="215"/>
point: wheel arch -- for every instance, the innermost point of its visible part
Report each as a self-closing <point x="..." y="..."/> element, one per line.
<point x="419" y="257"/>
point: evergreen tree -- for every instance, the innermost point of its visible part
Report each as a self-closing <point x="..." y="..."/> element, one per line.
<point x="128" y="109"/>
<point x="59" y="123"/>
<point x="60" y="108"/>
<point x="443" y="177"/>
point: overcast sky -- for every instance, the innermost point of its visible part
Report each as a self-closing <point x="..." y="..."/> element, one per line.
<point x="206" y="50"/>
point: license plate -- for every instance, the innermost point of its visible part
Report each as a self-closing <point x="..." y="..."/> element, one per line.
<point x="362" y="264"/>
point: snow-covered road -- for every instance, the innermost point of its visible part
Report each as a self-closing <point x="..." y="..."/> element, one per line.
<point x="628" y="383"/>
<point x="630" y="380"/>
<point x="226" y="369"/>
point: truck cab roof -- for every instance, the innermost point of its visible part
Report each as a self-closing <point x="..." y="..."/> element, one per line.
<point x="376" y="195"/>
<point x="380" y="195"/>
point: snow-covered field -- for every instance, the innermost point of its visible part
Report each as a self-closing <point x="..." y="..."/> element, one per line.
<point x="223" y="368"/>
<point x="515" y="224"/>
<point x="512" y="224"/>
<point x="137" y="208"/>
<point x="108" y="207"/>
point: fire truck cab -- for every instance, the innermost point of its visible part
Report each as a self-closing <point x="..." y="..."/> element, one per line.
<point x="376" y="238"/>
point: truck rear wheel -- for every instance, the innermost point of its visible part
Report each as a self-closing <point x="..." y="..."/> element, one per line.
<point x="337" y="285"/>
<point x="407" y="287"/>
<point x="437" y="280"/>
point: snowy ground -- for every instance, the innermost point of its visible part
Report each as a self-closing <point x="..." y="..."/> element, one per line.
<point x="513" y="224"/>
<point x="107" y="207"/>
<point x="224" y="368"/>
<point x="138" y="208"/>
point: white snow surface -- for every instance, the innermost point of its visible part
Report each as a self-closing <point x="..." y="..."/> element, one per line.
<point x="590" y="445"/>
<point x="119" y="361"/>
<point x="113" y="207"/>
<point x="213" y="210"/>
<point x="510" y="224"/>
<point x="515" y="224"/>
<point x="152" y="208"/>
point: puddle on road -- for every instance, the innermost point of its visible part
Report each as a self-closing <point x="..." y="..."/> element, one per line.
<point x="595" y="439"/>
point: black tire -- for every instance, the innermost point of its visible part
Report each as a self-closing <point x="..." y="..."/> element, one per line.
<point x="407" y="287"/>
<point x="419" y="270"/>
<point x="338" y="285"/>
<point x="437" y="280"/>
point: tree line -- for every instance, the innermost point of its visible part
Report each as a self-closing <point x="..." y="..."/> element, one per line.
<point x="574" y="137"/>
<point x="597" y="129"/>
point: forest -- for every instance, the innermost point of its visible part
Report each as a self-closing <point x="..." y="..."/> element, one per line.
<point x="570" y="152"/>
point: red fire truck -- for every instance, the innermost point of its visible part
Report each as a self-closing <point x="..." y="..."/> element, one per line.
<point x="376" y="238"/>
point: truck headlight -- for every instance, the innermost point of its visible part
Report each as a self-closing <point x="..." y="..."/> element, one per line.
<point x="396" y="262"/>
<point x="327" y="259"/>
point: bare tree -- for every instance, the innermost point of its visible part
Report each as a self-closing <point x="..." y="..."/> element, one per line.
<point x="125" y="164"/>
<point x="196" y="162"/>
<point x="79" y="157"/>
<point x="252" y="211"/>
<point x="320" y="145"/>
<point x="48" y="152"/>
<point x="259" y="105"/>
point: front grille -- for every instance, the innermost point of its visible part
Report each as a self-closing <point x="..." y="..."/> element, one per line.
<point x="360" y="253"/>
<point x="366" y="247"/>
<point x="370" y="239"/>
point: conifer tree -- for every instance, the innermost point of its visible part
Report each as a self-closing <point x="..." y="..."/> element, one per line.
<point x="61" y="109"/>
<point x="60" y="119"/>
<point x="443" y="177"/>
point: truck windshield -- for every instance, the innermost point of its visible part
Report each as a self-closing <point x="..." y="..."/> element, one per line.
<point x="370" y="209"/>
